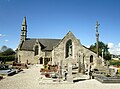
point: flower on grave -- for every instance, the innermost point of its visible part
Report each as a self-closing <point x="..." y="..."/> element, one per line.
<point x="47" y="75"/>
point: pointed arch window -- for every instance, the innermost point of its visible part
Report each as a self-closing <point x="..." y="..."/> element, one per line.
<point x="36" y="50"/>
<point x="69" y="48"/>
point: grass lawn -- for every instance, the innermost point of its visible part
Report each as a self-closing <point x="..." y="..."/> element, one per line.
<point x="9" y="62"/>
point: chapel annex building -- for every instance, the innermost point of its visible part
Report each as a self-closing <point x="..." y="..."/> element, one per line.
<point x="52" y="51"/>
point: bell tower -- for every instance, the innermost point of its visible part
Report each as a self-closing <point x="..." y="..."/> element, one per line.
<point x="24" y="30"/>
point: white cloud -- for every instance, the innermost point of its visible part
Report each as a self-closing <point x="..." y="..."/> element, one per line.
<point x="88" y="46"/>
<point x="1" y="35"/>
<point x="118" y="44"/>
<point x="114" y="49"/>
<point x="6" y="40"/>
<point x="110" y="45"/>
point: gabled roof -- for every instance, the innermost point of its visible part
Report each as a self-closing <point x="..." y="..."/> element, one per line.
<point x="65" y="37"/>
<point x="46" y="44"/>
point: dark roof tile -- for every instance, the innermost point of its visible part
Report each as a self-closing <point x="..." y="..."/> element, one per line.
<point x="46" y="44"/>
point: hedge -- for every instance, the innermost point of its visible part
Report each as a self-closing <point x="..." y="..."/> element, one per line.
<point x="117" y="63"/>
<point x="119" y="71"/>
<point x="7" y="58"/>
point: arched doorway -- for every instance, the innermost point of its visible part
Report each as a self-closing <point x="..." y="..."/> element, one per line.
<point x="91" y="58"/>
<point x="41" y="60"/>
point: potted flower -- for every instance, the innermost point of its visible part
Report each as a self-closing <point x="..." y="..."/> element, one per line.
<point x="47" y="75"/>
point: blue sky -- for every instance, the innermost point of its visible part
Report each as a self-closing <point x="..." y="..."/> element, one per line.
<point x="54" y="18"/>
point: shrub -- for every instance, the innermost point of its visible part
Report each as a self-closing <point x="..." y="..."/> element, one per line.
<point x="119" y="71"/>
<point x="113" y="62"/>
<point x="7" y="58"/>
<point x="1" y="77"/>
<point x="47" y="75"/>
<point x="108" y="75"/>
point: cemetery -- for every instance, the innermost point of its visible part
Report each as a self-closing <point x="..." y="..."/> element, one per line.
<point x="63" y="61"/>
<point x="70" y="74"/>
<point x="11" y="69"/>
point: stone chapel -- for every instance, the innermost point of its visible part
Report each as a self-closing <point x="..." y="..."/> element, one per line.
<point x="52" y="51"/>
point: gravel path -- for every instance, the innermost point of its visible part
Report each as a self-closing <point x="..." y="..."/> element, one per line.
<point x="29" y="79"/>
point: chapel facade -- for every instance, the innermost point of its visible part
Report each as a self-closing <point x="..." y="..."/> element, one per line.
<point x="52" y="51"/>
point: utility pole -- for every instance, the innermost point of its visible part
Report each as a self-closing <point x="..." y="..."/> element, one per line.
<point x="97" y="38"/>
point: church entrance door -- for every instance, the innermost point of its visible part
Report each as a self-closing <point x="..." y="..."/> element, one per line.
<point x="91" y="58"/>
<point x="41" y="60"/>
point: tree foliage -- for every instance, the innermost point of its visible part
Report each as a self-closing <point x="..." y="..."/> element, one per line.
<point x="5" y="51"/>
<point x="101" y="46"/>
<point x="7" y="54"/>
<point x="3" y="48"/>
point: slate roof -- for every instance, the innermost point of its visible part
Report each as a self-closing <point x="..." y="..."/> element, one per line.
<point x="46" y="44"/>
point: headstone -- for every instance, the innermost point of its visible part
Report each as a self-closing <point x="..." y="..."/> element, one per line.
<point x="69" y="75"/>
<point x="112" y="72"/>
<point x="60" y="69"/>
<point x="88" y="74"/>
<point x="98" y="63"/>
<point x="79" y="66"/>
<point x="83" y="69"/>
<point x="107" y="71"/>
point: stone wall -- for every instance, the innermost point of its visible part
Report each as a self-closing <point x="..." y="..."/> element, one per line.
<point x="60" y="50"/>
<point x="58" y="53"/>
<point x="23" y="56"/>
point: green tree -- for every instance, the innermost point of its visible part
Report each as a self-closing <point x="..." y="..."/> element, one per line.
<point x="8" y="52"/>
<point x="5" y="51"/>
<point x="101" y="46"/>
<point x="3" y="48"/>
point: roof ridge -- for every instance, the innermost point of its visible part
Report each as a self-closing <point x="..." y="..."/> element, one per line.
<point x="43" y="38"/>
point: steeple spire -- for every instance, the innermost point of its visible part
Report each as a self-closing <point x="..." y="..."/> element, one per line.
<point x="24" y="21"/>
<point x="24" y="29"/>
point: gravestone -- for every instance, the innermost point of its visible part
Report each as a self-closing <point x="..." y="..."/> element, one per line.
<point x="98" y="63"/>
<point x="60" y="69"/>
<point x="107" y="71"/>
<point x="89" y="69"/>
<point x="79" y="66"/>
<point x="69" y="75"/>
<point x="112" y="72"/>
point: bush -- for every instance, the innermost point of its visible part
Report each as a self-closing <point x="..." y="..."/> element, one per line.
<point x="1" y="77"/>
<point x="47" y="75"/>
<point x="115" y="62"/>
<point x="7" y="58"/>
<point x="119" y="71"/>
<point x="108" y="75"/>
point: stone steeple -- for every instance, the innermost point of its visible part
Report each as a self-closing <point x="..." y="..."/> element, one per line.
<point x="24" y="30"/>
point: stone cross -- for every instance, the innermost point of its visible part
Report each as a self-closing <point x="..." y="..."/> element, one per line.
<point x="60" y="69"/>
<point x="79" y="66"/>
<point x="97" y="37"/>
<point x="69" y="75"/>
